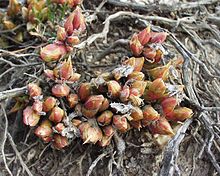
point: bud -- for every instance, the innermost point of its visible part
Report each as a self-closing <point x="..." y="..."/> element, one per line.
<point x="180" y="114"/>
<point x="168" y="105"/>
<point x="37" y="11"/>
<point x="75" y="22"/>
<point x="138" y="88"/>
<point x="144" y="36"/>
<point x="59" y="141"/>
<point x="37" y="106"/>
<point x="136" y="63"/>
<point x="94" y="135"/>
<point x="90" y="134"/>
<point x="66" y="69"/>
<point x="150" y="114"/>
<point x="105" y="118"/>
<point x="120" y="122"/>
<point x="158" y="37"/>
<point x="124" y="94"/>
<point x="108" y="130"/>
<point x="161" y="126"/>
<point x="44" y="131"/>
<point x="14" y="8"/>
<point x="59" y="127"/>
<point x="76" y="122"/>
<point x="136" y="124"/>
<point x="135" y="45"/>
<point x="30" y="117"/>
<point x="160" y="72"/>
<point x="105" y="105"/>
<point x="136" y="114"/>
<point x="73" y="40"/>
<point x="94" y="102"/>
<point x="73" y="100"/>
<point x="83" y="127"/>
<point x="34" y="90"/>
<point x="85" y="90"/>
<point x="155" y="90"/>
<point x="60" y="90"/>
<point x="135" y="100"/>
<point x="150" y="53"/>
<point x="158" y="86"/>
<point x="75" y="77"/>
<point x="49" y="103"/>
<point x="92" y="105"/>
<point x="61" y="34"/>
<point x="56" y="70"/>
<point x="105" y="141"/>
<point x="136" y="75"/>
<point x="49" y="74"/>
<point x="114" y="88"/>
<point x="52" y="52"/>
<point x="56" y="115"/>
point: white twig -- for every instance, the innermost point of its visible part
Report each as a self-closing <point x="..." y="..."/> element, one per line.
<point x="18" y="154"/>
<point x="94" y="163"/>
<point x="105" y="30"/>
<point x="12" y="93"/>
<point x="4" y="140"/>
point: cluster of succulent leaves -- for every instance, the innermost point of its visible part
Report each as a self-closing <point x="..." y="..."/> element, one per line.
<point x="28" y="18"/>
<point x="137" y="94"/>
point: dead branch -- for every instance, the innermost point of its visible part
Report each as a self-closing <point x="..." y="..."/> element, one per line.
<point x="211" y="108"/>
<point x="94" y="15"/>
<point x="109" y="50"/>
<point x="114" y="16"/>
<point x="12" y="30"/>
<point x="120" y="144"/>
<point x="8" y="136"/>
<point x="162" y="7"/>
<point x="94" y="163"/>
<point x="172" y="151"/>
<point x="4" y="138"/>
<point x="12" y="93"/>
<point x="22" y="65"/>
<point x="6" y="53"/>
<point x="187" y="54"/>
<point x="18" y="154"/>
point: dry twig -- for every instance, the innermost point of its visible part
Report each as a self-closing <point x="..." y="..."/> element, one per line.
<point x="162" y="7"/>
<point x="12" y="93"/>
<point x="94" y="163"/>
<point x="4" y="138"/>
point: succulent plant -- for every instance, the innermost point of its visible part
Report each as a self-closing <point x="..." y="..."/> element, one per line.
<point x="49" y="103"/>
<point x="75" y="23"/>
<point x="129" y="96"/>
<point x="52" y="52"/>
<point x="30" y="117"/>
<point x="60" y="90"/>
